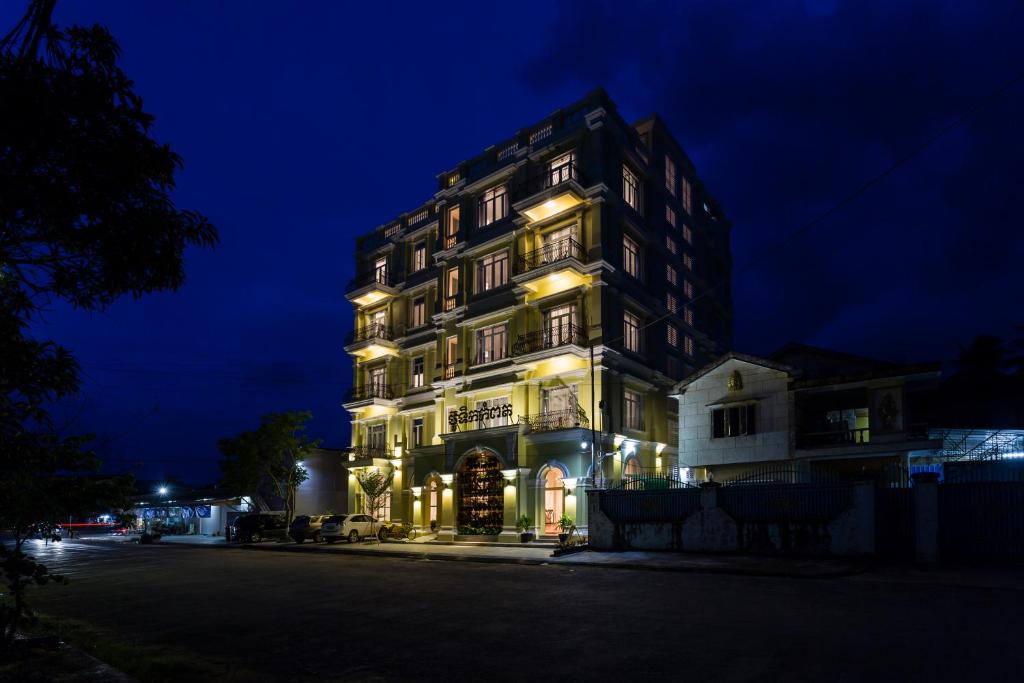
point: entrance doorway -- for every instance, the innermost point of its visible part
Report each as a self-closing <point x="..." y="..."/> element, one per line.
<point x="481" y="503"/>
<point x="554" y="500"/>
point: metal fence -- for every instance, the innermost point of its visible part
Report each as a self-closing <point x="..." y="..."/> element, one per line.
<point x="781" y="503"/>
<point x="981" y="521"/>
<point x="784" y="475"/>
<point x="666" y="505"/>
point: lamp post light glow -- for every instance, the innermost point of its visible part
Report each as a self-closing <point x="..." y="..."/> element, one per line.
<point x="162" y="490"/>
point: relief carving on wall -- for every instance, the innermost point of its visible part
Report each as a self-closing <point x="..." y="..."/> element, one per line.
<point x="735" y="381"/>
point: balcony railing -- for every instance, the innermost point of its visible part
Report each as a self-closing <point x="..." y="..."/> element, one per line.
<point x="549" y="338"/>
<point x="362" y="452"/>
<point x="449" y="371"/>
<point x="835" y="437"/>
<point x="379" y="277"/>
<point x="555" y="420"/>
<point x="551" y="252"/>
<point x="450" y="241"/>
<point x="450" y="302"/>
<point x="371" y="331"/>
<point x="551" y="177"/>
<point x="370" y="391"/>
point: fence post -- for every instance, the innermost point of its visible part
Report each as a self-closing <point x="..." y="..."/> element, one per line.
<point x="600" y="529"/>
<point x="709" y="495"/>
<point x="864" y="507"/>
<point x="926" y="517"/>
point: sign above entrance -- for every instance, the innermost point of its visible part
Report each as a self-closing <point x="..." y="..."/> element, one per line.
<point x="481" y="414"/>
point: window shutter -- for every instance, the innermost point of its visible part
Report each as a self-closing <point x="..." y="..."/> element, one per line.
<point x="751" y="423"/>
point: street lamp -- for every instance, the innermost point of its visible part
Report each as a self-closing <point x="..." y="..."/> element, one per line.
<point x="162" y="490"/>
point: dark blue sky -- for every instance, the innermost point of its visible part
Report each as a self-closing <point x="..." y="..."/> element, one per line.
<point x="305" y="124"/>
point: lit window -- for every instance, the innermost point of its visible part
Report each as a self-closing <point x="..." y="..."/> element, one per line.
<point x="631" y="331"/>
<point x="380" y="270"/>
<point x="671" y="303"/>
<point x="670" y="274"/>
<point x="670" y="244"/>
<point x="687" y="234"/>
<point x="490" y="343"/>
<point x="417" y="431"/>
<point x="630" y="257"/>
<point x="687" y="196"/>
<point x="452" y="353"/>
<point x="493" y="206"/>
<point x="419" y="312"/>
<point x="688" y="345"/>
<point x="417" y="371"/>
<point x="670" y="176"/>
<point x="631" y="188"/>
<point x="687" y="262"/>
<point x="670" y="215"/>
<point x="673" y="335"/>
<point x="492" y="271"/>
<point x="419" y="256"/>
<point x="688" y="289"/>
<point x="688" y="315"/>
<point x="493" y="413"/>
<point x="451" y="234"/>
<point x="633" y="407"/>
<point x="433" y="501"/>
<point x="452" y="289"/>
<point x="733" y="421"/>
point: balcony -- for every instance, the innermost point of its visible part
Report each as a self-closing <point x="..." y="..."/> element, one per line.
<point x="371" y="341"/>
<point x="370" y="288"/>
<point x="552" y="252"/>
<point x="556" y="420"/>
<point x="364" y="452"/>
<point x="550" y="338"/>
<point x="369" y="393"/>
<point x="557" y="189"/>
<point x="833" y="438"/>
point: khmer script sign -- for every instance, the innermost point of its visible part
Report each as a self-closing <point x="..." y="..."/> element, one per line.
<point x="481" y="414"/>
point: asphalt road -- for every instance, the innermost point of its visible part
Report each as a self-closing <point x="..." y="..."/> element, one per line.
<point x="305" y="616"/>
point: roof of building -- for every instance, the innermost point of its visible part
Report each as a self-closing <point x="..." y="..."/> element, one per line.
<point x="814" y="365"/>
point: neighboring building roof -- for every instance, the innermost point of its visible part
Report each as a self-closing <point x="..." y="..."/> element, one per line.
<point x="745" y="357"/>
<point x="186" y="495"/>
<point x="814" y="365"/>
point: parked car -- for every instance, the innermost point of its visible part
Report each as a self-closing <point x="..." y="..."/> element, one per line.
<point x="257" y="527"/>
<point x="350" y="527"/>
<point x="306" y="526"/>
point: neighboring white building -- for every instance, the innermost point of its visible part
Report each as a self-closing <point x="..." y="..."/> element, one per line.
<point x="803" y="408"/>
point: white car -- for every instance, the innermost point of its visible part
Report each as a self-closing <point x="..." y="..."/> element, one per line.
<point x="351" y="527"/>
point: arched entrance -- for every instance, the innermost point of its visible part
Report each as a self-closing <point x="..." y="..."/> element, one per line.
<point x="481" y="502"/>
<point x="554" y="500"/>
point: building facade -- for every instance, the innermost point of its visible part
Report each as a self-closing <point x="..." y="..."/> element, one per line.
<point x="805" y="410"/>
<point x="516" y="336"/>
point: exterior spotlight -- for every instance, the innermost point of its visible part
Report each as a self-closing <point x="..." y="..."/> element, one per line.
<point x="417" y="491"/>
<point x="584" y="445"/>
<point x="447" y="479"/>
<point x="510" y="475"/>
<point x="570" y="484"/>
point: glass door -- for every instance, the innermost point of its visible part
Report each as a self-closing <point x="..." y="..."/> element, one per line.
<point x="559" y="324"/>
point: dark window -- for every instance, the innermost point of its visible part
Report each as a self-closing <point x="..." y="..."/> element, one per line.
<point x="733" y="421"/>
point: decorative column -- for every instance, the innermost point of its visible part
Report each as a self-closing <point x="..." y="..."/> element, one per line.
<point x="398" y="512"/>
<point x="569" y="505"/>
<point x="509" y="533"/>
<point x="523" y="496"/>
<point x="447" y="530"/>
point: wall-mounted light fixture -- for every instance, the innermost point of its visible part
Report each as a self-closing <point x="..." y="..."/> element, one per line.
<point x="510" y="475"/>
<point x="417" y="491"/>
<point x="447" y="480"/>
<point x="570" y="484"/>
<point x="397" y="462"/>
<point x="398" y="452"/>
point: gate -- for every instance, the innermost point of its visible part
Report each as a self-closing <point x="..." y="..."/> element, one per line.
<point x="665" y="505"/>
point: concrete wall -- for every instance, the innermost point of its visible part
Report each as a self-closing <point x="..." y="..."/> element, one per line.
<point x="765" y="387"/>
<point x="711" y="529"/>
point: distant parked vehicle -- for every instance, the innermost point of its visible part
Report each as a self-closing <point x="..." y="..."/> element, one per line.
<point x="350" y="527"/>
<point x="258" y="527"/>
<point x="306" y="526"/>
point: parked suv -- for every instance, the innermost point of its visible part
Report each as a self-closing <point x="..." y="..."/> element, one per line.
<point x="257" y="527"/>
<point x="350" y="527"/>
<point x="306" y="526"/>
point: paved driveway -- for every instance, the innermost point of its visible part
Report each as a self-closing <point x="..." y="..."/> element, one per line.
<point x="299" y="616"/>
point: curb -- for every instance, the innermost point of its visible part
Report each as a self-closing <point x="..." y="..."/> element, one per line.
<point x="402" y="554"/>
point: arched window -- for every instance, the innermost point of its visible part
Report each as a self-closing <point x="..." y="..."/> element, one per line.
<point x="554" y="499"/>
<point x="433" y="501"/>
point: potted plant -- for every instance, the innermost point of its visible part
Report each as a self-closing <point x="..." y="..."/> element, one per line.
<point x="565" y="523"/>
<point x="523" y="525"/>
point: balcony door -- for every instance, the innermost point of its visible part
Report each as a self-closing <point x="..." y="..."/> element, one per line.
<point x="561" y="169"/>
<point x="376" y="440"/>
<point x="557" y="244"/>
<point x="378" y="322"/>
<point x="380" y="270"/>
<point x="559" y="324"/>
<point x="554" y="500"/>
<point x="378" y="382"/>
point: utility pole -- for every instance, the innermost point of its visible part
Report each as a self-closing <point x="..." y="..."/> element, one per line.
<point x="593" y="424"/>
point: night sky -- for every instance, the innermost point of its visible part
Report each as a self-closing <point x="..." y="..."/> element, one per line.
<point x="303" y="125"/>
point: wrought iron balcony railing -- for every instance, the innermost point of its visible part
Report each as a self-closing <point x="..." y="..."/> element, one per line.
<point x="379" y="277"/>
<point x="371" y="331"/>
<point x="552" y="252"/>
<point x="551" y="177"/>
<point x="555" y="420"/>
<point x="364" y="451"/>
<point x="548" y="338"/>
<point x="370" y="391"/>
